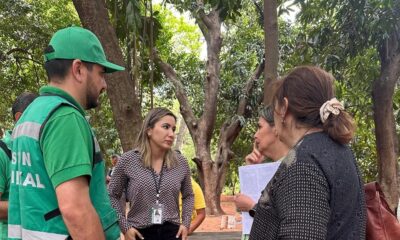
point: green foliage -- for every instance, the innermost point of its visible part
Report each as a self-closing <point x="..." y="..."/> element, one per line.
<point x="229" y="9"/>
<point x="179" y="44"/>
<point x="102" y="122"/>
<point x="340" y="36"/>
<point x="242" y="52"/>
<point x="355" y="89"/>
<point x="133" y="15"/>
<point x="344" y="38"/>
<point x="25" y="29"/>
<point x="368" y="22"/>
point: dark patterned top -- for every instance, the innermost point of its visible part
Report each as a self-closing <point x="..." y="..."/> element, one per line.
<point x="130" y="174"/>
<point x="316" y="193"/>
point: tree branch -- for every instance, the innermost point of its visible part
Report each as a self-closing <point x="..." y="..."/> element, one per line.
<point x="260" y="12"/>
<point x="230" y="131"/>
<point x="185" y="108"/>
<point x="28" y="58"/>
<point x="211" y="81"/>
<point x="234" y="128"/>
<point x="203" y="28"/>
<point x="17" y="50"/>
<point x="202" y="15"/>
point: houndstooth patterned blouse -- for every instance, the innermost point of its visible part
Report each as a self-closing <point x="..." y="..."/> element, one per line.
<point x="316" y="193"/>
<point x="131" y="175"/>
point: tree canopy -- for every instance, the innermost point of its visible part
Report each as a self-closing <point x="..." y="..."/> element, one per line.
<point x="206" y="56"/>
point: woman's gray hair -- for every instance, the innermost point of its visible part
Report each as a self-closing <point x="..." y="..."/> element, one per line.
<point x="267" y="112"/>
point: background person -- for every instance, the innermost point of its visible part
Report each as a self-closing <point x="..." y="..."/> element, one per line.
<point x="266" y="144"/>
<point x="199" y="207"/>
<point x="153" y="175"/>
<point x="59" y="190"/>
<point x="19" y="106"/>
<point x="317" y="192"/>
<point x="114" y="160"/>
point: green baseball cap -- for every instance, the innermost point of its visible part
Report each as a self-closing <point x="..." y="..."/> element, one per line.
<point x="79" y="43"/>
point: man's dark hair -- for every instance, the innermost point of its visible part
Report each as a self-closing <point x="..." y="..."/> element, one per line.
<point x="57" y="68"/>
<point x="22" y="102"/>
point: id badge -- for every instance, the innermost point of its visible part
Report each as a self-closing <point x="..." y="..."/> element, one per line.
<point x="157" y="213"/>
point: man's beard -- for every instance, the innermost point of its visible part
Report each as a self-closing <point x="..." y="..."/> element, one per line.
<point x="92" y="97"/>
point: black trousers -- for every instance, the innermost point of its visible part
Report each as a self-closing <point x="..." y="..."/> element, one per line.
<point x="165" y="231"/>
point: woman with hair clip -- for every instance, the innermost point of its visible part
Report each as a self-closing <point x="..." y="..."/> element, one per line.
<point x="317" y="192"/>
<point x="153" y="175"/>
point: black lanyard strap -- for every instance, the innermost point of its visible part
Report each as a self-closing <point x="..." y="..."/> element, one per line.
<point x="158" y="186"/>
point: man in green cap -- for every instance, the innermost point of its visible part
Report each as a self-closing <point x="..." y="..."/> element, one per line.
<point x="58" y="186"/>
<point x="18" y="107"/>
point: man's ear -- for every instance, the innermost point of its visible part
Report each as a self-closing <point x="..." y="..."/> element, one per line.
<point x="78" y="70"/>
<point x="17" y="116"/>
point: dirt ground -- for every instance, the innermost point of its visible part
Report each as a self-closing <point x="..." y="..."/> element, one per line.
<point x="213" y="224"/>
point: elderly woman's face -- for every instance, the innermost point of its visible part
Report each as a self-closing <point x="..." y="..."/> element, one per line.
<point x="264" y="137"/>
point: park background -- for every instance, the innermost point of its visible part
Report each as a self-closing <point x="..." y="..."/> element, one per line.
<point x="211" y="61"/>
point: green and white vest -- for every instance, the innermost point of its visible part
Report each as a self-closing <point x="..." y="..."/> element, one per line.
<point x="33" y="209"/>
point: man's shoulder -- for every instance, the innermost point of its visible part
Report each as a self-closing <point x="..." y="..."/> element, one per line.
<point x="66" y="121"/>
<point x="65" y="110"/>
<point x="45" y="109"/>
<point x="67" y="115"/>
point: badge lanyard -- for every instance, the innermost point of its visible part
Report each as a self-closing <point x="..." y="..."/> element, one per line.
<point x="157" y="208"/>
<point x="158" y="186"/>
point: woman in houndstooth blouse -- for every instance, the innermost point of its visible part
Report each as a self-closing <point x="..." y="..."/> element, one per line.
<point x="153" y="175"/>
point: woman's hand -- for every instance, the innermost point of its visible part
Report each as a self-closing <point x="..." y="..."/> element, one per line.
<point x="243" y="202"/>
<point x="254" y="157"/>
<point x="183" y="232"/>
<point x="133" y="234"/>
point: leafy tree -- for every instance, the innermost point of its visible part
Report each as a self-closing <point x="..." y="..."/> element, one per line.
<point x="210" y="16"/>
<point x="375" y="25"/>
<point x="122" y="89"/>
<point x="25" y="28"/>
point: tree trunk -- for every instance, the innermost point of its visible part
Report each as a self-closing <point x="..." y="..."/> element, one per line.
<point x="385" y="125"/>
<point x="271" y="47"/>
<point x="120" y="88"/>
<point x="211" y="173"/>
<point x="209" y="178"/>
<point x="180" y="137"/>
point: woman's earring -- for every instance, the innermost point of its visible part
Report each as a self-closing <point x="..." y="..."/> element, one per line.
<point x="283" y="119"/>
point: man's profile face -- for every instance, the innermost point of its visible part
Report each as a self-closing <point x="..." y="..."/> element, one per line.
<point x="96" y="84"/>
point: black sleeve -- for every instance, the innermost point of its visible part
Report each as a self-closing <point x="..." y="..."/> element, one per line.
<point x="303" y="203"/>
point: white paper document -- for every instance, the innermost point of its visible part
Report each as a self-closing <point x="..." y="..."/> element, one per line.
<point x="253" y="179"/>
